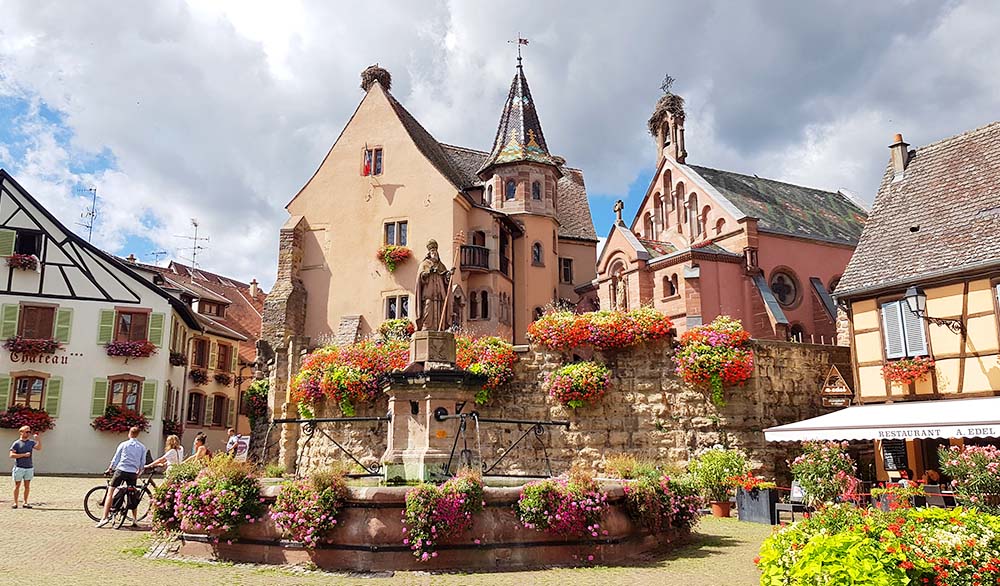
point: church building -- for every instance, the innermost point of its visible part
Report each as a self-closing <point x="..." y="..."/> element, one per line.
<point x="706" y="242"/>
<point x="514" y="222"/>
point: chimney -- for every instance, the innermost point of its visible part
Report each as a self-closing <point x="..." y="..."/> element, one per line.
<point x="131" y="258"/>
<point x="900" y="156"/>
<point x="253" y="289"/>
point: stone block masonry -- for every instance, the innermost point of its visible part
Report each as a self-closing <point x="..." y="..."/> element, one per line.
<point x="649" y="412"/>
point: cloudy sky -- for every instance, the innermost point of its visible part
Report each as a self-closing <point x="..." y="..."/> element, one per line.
<point x="221" y="109"/>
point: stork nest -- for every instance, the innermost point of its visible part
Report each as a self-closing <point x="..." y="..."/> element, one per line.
<point x="668" y="105"/>
<point x="374" y="73"/>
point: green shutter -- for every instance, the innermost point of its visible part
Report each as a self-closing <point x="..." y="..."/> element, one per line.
<point x="8" y="322"/>
<point x="148" y="407"/>
<point x="232" y="413"/>
<point x="64" y="324"/>
<point x="213" y="355"/>
<point x="7" y="242"/>
<point x="236" y="359"/>
<point x="53" y="394"/>
<point x="99" y="400"/>
<point x="209" y="408"/>
<point x="4" y="391"/>
<point x="156" y="329"/>
<point x="106" y="327"/>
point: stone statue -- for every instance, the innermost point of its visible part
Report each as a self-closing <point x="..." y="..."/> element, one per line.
<point x="619" y="206"/>
<point x="433" y="279"/>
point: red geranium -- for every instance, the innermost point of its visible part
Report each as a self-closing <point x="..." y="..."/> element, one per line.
<point x="489" y="357"/>
<point x="715" y="355"/>
<point x="25" y="262"/>
<point x="30" y="346"/>
<point x="17" y="416"/>
<point x="348" y="374"/>
<point x="908" y="370"/>
<point x="118" y="420"/>
<point x="604" y="330"/>
<point x="131" y="348"/>
<point x="392" y="255"/>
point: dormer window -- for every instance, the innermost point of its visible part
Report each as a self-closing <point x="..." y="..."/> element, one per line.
<point x="211" y="308"/>
<point x="511" y="191"/>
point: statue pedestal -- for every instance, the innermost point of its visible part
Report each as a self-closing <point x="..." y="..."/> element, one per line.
<point x="419" y="445"/>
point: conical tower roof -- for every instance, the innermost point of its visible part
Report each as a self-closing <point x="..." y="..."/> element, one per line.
<point x="519" y="135"/>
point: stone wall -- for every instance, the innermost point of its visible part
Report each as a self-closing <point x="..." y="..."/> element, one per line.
<point x="649" y="412"/>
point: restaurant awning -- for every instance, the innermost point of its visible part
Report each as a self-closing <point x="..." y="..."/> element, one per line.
<point x="907" y="420"/>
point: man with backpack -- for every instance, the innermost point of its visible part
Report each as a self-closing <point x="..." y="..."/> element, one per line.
<point x="127" y="465"/>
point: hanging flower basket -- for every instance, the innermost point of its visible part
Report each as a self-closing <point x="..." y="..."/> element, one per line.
<point x="223" y="378"/>
<point x="178" y="359"/>
<point x="17" y="416"/>
<point x="490" y="357"/>
<point x="131" y="349"/>
<point x="392" y="255"/>
<point x="24" y="262"/>
<point x="579" y="383"/>
<point x="396" y="329"/>
<point x="31" y="347"/>
<point x="118" y="420"/>
<point x="198" y="376"/>
<point x="715" y="355"/>
<point x="908" y="370"/>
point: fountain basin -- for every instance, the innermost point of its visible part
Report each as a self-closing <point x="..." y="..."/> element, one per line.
<point x="369" y="537"/>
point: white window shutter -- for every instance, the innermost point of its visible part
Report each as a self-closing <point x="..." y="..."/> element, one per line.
<point x="892" y="328"/>
<point x="916" y="336"/>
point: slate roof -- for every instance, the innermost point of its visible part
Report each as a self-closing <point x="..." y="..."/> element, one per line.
<point x="788" y="209"/>
<point x="430" y="147"/>
<point x="942" y="217"/>
<point x="655" y="248"/>
<point x="519" y="133"/>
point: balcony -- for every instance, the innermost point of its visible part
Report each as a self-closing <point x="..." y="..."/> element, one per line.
<point x="475" y="257"/>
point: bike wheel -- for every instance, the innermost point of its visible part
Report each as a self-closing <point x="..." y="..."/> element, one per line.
<point x="145" y="505"/>
<point x="118" y="518"/>
<point x="93" y="503"/>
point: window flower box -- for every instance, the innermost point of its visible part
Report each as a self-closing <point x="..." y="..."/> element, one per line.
<point x="118" y="420"/>
<point x="908" y="370"/>
<point x="31" y="347"/>
<point x="198" y="376"/>
<point x="178" y="359"/>
<point x="17" y="416"/>
<point x="131" y="349"/>
<point x="392" y="255"/>
<point x="223" y="378"/>
<point x="24" y="262"/>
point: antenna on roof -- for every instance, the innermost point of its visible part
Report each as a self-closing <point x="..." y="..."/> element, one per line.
<point x="90" y="214"/>
<point x="156" y="254"/>
<point x="195" y="244"/>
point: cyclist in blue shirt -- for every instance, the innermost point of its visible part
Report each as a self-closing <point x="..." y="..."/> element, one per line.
<point x="127" y="465"/>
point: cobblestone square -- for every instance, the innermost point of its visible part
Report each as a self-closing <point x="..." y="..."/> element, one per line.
<point x="56" y="543"/>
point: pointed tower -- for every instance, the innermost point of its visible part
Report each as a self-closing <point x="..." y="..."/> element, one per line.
<point x="520" y="169"/>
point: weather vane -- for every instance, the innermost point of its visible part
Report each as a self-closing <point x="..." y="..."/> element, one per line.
<point x="668" y="82"/>
<point x="520" y="41"/>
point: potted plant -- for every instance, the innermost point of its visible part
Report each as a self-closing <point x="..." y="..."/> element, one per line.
<point x="178" y="359"/>
<point x="712" y="471"/>
<point x="755" y="499"/>
<point x="223" y="378"/>
<point x="198" y="376"/>
<point x="824" y="471"/>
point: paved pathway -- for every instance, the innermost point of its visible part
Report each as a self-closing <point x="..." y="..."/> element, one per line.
<point x="55" y="543"/>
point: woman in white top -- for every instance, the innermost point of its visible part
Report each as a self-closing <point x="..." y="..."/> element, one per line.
<point x="174" y="453"/>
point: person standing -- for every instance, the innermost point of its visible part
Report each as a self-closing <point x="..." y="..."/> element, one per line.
<point x="127" y="465"/>
<point x="24" y="468"/>
<point x="174" y="454"/>
<point x="232" y="442"/>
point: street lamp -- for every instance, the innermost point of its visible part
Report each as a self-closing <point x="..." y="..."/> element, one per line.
<point x="916" y="302"/>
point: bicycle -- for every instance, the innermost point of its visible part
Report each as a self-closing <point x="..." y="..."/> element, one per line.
<point x="141" y="496"/>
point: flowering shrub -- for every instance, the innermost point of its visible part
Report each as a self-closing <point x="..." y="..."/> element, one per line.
<point x="165" y="519"/>
<point x="198" y="376"/>
<point x="897" y="496"/>
<point x="131" y="349"/>
<point x="715" y="355"/>
<point x="976" y="474"/>
<point x="255" y="400"/>
<point x="604" y="330"/>
<point x="348" y="374"/>
<point x="712" y="470"/>
<point x="178" y="359"/>
<point x="171" y="427"/>
<point x="907" y="370"/>
<point x="570" y="507"/>
<point x="118" y="420"/>
<point x="489" y="357"/>
<point x="824" y="470"/>
<point x="750" y="482"/>
<point x="392" y="255"/>
<point x="17" y="416"/>
<point x="31" y="347"/>
<point x="24" y="262"/>
<point x="436" y="513"/>
<point x="223" y="378"/>
<point x="396" y="329"/>
<point x="224" y="495"/>
<point x="579" y="383"/>
<point x="659" y="502"/>
<point x="842" y="544"/>
<point x="306" y="510"/>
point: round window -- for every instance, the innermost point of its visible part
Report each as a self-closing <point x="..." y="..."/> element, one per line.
<point x="785" y="288"/>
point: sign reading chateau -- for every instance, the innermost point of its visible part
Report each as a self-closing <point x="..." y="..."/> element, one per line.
<point x="21" y="357"/>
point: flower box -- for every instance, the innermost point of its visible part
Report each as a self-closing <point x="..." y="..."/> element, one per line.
<point x="198" y="376"/>
<point x="17" y="416"/>
<point x="24" y="262"/>
<point x="223" y="378"/>
<point x="392" y="255"/>
<point x="178" y="359"/>
<point x="907" y="370"/>
<point x="131" y="349"/>
<point x="757" y="505"/>
<point x="118" y="420"/>
<point x="31" y="347"/>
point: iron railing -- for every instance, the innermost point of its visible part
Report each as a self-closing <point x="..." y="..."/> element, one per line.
<point x="537" y="427"/>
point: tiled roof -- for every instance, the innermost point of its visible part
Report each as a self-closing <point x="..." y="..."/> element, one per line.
<point x="656" y="248"/>
<point x="941" y="217"/>
<point x="789" y="209"/>
<point x="431" y="148"/>
<point x="519" y="133"/>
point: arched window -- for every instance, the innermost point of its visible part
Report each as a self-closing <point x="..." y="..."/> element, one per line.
<point x="691" y="212"/>
<point x="657" y="212"/>
<point x="478" y="238"/>
<point x="679" y="205"/>
<point x="473" y="305"/>
<point x="484" y="305"/>
<point x="647" y="226"/>
<point x="195" y="407"/>
<point x="797" y="333"/>
<point x="511" y="191"/>
<point x="720" y="226"/>
<point x="675" y="284"/>
<point x="536" y="190"/>
<point x="833" y="284"/>
<point x="703" y="220"/>
<point x="489" y="195"/>
<point x="668" y="186"/>
<point x="668" y="287"/>
<point x="536" y="254"/>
